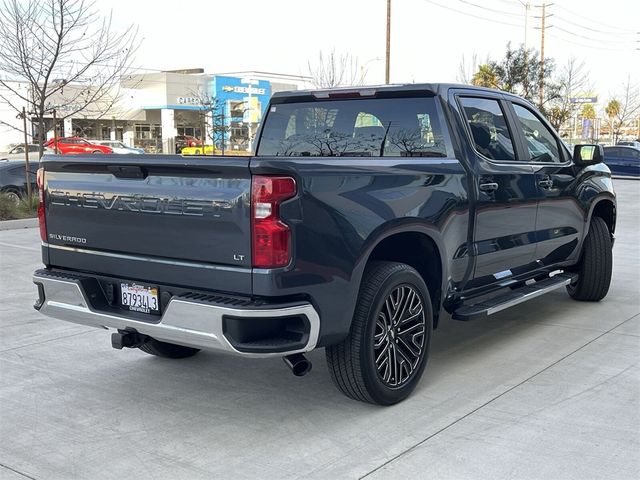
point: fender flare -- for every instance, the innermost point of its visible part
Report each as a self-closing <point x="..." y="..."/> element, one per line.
<point x="399" y="226"/>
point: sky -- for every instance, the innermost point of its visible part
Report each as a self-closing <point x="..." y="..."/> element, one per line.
<point x="428" y="38"/>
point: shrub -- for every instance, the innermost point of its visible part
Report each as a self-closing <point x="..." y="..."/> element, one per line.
<point x="11" y="210"/>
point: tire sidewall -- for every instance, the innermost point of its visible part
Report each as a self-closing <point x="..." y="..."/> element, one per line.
<point x="380" y="392"/>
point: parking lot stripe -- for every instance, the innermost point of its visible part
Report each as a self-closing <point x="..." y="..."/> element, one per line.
<point x="421" y="442"/>
<point x="22" y="247"/>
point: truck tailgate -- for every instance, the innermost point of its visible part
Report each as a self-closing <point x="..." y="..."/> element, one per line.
<point x="169" y="218"/>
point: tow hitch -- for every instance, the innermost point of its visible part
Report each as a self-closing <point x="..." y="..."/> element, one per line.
<point x="128" y="339"/>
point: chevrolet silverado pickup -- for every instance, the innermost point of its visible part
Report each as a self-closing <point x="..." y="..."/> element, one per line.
<point x="365" y="218"/>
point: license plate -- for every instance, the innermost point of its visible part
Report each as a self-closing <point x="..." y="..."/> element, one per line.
<point x="139" y="298"/>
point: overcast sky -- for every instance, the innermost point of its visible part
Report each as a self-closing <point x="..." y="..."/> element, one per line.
<point x="428" y="41"/>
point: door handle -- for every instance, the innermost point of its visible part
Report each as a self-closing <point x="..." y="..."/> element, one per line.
<point x="546" y="183"/>
<point x="488" y="187"/>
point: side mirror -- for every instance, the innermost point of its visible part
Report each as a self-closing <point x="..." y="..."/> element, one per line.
<point x="584" y="155"/>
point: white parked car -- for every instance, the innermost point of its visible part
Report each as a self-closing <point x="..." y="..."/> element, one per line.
<point x="15" y="151"/>
<point x="118" y="146"/>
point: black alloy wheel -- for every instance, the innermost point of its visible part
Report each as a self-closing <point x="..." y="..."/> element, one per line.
<point x="399" y="337"/>
<point x="383" y="357"/>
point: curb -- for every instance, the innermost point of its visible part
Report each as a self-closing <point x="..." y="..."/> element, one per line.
<point x="18" y="224"/>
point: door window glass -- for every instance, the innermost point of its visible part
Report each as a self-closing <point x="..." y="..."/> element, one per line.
<point x="488" y="128"/>
<point x="540" y="141"/>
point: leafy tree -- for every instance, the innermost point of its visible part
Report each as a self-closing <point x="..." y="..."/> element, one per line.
<point x="519" y="72"/>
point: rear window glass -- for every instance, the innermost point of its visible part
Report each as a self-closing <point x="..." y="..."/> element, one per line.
<point x="403" y="127"/>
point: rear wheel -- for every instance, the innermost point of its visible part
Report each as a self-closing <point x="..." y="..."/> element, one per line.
<point x="166" y="350"/>
<point x="382" y="359"/>
<point x="596" y="264"/>
<point x="96" y="151"/>
<point x="12" y="194"/>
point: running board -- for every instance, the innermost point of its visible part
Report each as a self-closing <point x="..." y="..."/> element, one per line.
<point x="514" y="297"/>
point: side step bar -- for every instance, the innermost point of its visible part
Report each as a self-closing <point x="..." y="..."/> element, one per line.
<point x="514" y="297"/>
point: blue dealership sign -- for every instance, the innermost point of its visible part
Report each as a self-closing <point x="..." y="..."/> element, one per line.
<point x="251" y="95"/>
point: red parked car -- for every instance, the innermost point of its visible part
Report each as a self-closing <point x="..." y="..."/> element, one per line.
<point x="186" y="141"/>
<point x="77" y="145"/>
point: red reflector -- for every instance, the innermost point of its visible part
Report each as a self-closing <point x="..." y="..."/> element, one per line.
<point x="41" y="219"/>
<point x="271" y="236"/>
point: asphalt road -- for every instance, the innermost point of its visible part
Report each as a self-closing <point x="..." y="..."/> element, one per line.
<point x="547" y="389"/>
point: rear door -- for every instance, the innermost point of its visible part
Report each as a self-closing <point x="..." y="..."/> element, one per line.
<point x="505" y="217"/>
<point x="159" y="218"/>
<point x="560" y="219"/>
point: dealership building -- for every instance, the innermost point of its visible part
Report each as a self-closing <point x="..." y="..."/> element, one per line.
<point x="152" y="109"/>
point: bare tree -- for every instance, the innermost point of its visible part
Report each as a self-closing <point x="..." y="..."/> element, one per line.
<point x="214" y="121"/>
<point x="466" y="71"/>
<point x="69" y="57"/>
<point x="335" y="70"/>
<point x="573" y="81"/>
<point x="623" y="107"/>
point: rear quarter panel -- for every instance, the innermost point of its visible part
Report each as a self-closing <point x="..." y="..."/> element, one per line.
<point x="344" y="207"/>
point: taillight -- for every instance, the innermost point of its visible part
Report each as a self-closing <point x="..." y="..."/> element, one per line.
<point x="271" y="236"/>
<point x="41" y="219"/>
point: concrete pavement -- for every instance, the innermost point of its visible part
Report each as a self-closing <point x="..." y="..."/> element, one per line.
<point x="547" y="389"/>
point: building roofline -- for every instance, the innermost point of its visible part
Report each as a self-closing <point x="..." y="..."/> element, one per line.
<point x="271" y="74"/>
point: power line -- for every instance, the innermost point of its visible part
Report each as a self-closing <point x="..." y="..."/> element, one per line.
<point x="595" y="30"/>
<point x="461" y="12"/>
<point x="518" y="15"/>
<point x="617" y="42"/>
<point x="597" y="22"/>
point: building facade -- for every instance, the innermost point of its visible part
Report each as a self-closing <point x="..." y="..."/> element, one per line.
<point x="154" y="110"/>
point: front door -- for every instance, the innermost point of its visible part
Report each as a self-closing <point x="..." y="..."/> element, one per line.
<point x="506" y="207"/>
<point x="560" y="219"/>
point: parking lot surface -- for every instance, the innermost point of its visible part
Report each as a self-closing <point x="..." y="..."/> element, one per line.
<point x="547" y="389"/>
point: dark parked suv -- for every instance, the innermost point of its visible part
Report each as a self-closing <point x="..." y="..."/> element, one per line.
<point x="366" y="218"/>
<point x="13" y="178"/>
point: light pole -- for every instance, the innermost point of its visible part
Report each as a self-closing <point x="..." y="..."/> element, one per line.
<point x="527" y="7"/>
<point x="388" y="52"/>
<point x="363" y="69"/>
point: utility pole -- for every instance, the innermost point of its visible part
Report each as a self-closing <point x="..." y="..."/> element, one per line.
<point x="543" y="26"/>
<point x="55" y="132"/>
<point x="388" y="55"/>
<point x="26" y="155"/>
<point x="527" y="7"/>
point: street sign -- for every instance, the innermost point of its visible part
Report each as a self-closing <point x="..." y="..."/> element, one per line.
<point x="583" y="100"/>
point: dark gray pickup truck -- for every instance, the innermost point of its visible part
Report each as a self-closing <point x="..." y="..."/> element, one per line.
<point x="366" y="217"/>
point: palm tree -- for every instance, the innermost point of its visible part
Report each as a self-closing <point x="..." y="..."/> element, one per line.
<point x="486" y="76"/>
<point x="588" y="113"/>
<point x="612" y="110"/>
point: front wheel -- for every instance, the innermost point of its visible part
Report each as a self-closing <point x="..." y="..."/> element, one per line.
<point x="596" y="264"/>
<point x="382" y="359"/>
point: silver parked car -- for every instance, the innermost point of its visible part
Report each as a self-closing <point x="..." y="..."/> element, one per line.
<point x="118" y="146"/>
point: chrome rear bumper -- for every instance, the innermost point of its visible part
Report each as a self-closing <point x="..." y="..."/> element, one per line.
<point x="183" y="322"/>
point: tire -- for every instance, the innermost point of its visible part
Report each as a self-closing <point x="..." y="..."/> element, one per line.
<point x="352" y="363"/>
<point x="96" y="152"/>
<point x="167" y="350"/>
<point x="12" y="194"/>
<point x="596" y="264"/>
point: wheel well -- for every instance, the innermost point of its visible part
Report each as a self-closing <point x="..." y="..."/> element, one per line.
<point x="607" y="211"/>
<point x="419" y="251"/>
